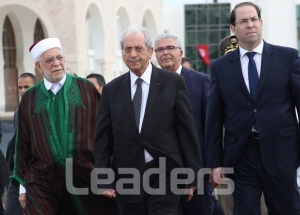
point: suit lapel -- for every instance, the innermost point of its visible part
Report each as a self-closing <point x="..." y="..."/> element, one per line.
<point x="154" y="89"/>
<point x="237" y="70"/>
<point x="266" y="62"/>
<point x="125" y="90"/>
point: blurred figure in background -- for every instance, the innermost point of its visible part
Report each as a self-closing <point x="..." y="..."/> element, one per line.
<point x="98" y="80"/>
<point x="4" y="174"/>
<point x="13" y="206"/>
<point x="187" y="63"/>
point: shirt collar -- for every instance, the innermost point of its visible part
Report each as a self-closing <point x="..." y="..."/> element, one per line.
<point x="48" y="84"/>
<point x="146" y="76"/>
<point x="178" y="71"/>
<point x="258" y="49"/>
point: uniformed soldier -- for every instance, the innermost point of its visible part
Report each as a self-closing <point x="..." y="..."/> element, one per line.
<point x="228" y="44"/>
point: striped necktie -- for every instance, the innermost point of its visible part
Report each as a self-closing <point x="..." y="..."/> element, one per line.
<point x="137" y="101"/>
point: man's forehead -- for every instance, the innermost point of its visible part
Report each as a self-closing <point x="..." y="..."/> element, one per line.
<point x="134" y="37"/>
<point x="246" y="12"/>
<point x="25" y="80"/>
<point x="167" y="41"/>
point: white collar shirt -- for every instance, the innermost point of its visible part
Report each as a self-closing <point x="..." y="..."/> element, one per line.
<point x="245" y="61"/>
<point x="55" y="87"/>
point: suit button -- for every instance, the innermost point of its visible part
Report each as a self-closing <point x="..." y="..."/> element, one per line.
<point x="255" y="110"/>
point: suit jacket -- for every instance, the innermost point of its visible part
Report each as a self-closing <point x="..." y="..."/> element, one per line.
<point x="4" y="171"/>
<point x="230" y="104"/>
<point x="10" y="151"/>
<point x="197" y="85"/>
<point x="168" y="128"/>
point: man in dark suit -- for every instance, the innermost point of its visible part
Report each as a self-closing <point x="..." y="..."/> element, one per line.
<point x="13" y="206"/>
<point x="162" y="127"/>
<point x="255" y="99"/>
<point x="4" y="174"/>
<point x="168" y="52"/>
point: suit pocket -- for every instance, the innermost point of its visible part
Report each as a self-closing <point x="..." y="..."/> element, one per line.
<point x="288" y="131"/>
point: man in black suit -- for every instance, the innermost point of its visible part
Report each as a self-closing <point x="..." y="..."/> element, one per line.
<point x="162" y="127"/>
<point x="4" y="174"/>
<point x="168" y="52"/>
<point x="13" y="206"/>
<point x="253" y="92"/>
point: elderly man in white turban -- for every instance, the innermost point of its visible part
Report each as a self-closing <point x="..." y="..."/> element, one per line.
<point x="57" y="119"/>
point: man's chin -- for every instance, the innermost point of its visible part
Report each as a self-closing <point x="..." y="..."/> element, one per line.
<point x="56" y="78"/>
<point x="167" y="67"/>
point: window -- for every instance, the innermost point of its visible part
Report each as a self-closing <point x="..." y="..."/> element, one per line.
<point x="206" y="24"/>
<point x="298" y="25"/>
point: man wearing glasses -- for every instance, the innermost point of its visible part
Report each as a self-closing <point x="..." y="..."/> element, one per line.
<point x="168" y="52"/>
<point x="145" y="115"/>
<point x="56" y="121"/>
<point x="253" y="93"/>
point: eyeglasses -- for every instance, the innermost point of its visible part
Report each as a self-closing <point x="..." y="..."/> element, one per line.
<point x="254" y="20"/>
<point x="168" y="48"/>
<point x="138" y="49"/>
<point x="50" y="60"/>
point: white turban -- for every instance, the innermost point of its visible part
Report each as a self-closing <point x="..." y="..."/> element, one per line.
<point x="38" y="48"/>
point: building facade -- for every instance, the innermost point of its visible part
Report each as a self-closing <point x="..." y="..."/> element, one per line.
<point x="206" y="22"/>
<point x="89" y="31"/>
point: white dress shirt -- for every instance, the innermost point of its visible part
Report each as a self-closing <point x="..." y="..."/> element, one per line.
<point x="245" y="60"/>
<point x="178" y="71"/>
<point x="146" y="76"/>
<point x="55" y="87"/>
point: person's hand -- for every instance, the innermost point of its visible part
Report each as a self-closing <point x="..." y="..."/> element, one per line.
<point x="22" y="200"/>
<point x="216" y="176"/>
<point x="109" y="193"/>
<point x="190" y="192"/>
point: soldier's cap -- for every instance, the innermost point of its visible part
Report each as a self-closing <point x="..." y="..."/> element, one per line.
<point x="228" y="44"/>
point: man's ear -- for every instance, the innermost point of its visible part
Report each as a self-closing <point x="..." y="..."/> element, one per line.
<point x="38" y="67"/>
<point x="232" y="28"/>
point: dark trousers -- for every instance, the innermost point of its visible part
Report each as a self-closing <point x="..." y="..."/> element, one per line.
<point x="200" y="203"/>
<point x="1" y="205"/>
<point x="218" y="209"/>
<point x="153" y="204"/>
<point x="250" y="179"/>
<point x="13" y="206"/>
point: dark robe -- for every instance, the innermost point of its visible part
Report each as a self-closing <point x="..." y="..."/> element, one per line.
<point x="50" y="129"/>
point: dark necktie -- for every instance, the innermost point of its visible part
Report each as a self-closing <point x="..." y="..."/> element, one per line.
<point x="137" y="101"/>
<point x="253" y="78"/>
<point x="253" y="75"/>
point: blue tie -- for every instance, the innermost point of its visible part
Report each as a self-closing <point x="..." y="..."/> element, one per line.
<point x="253" y="75"/>
<point x="253" y="78"/>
